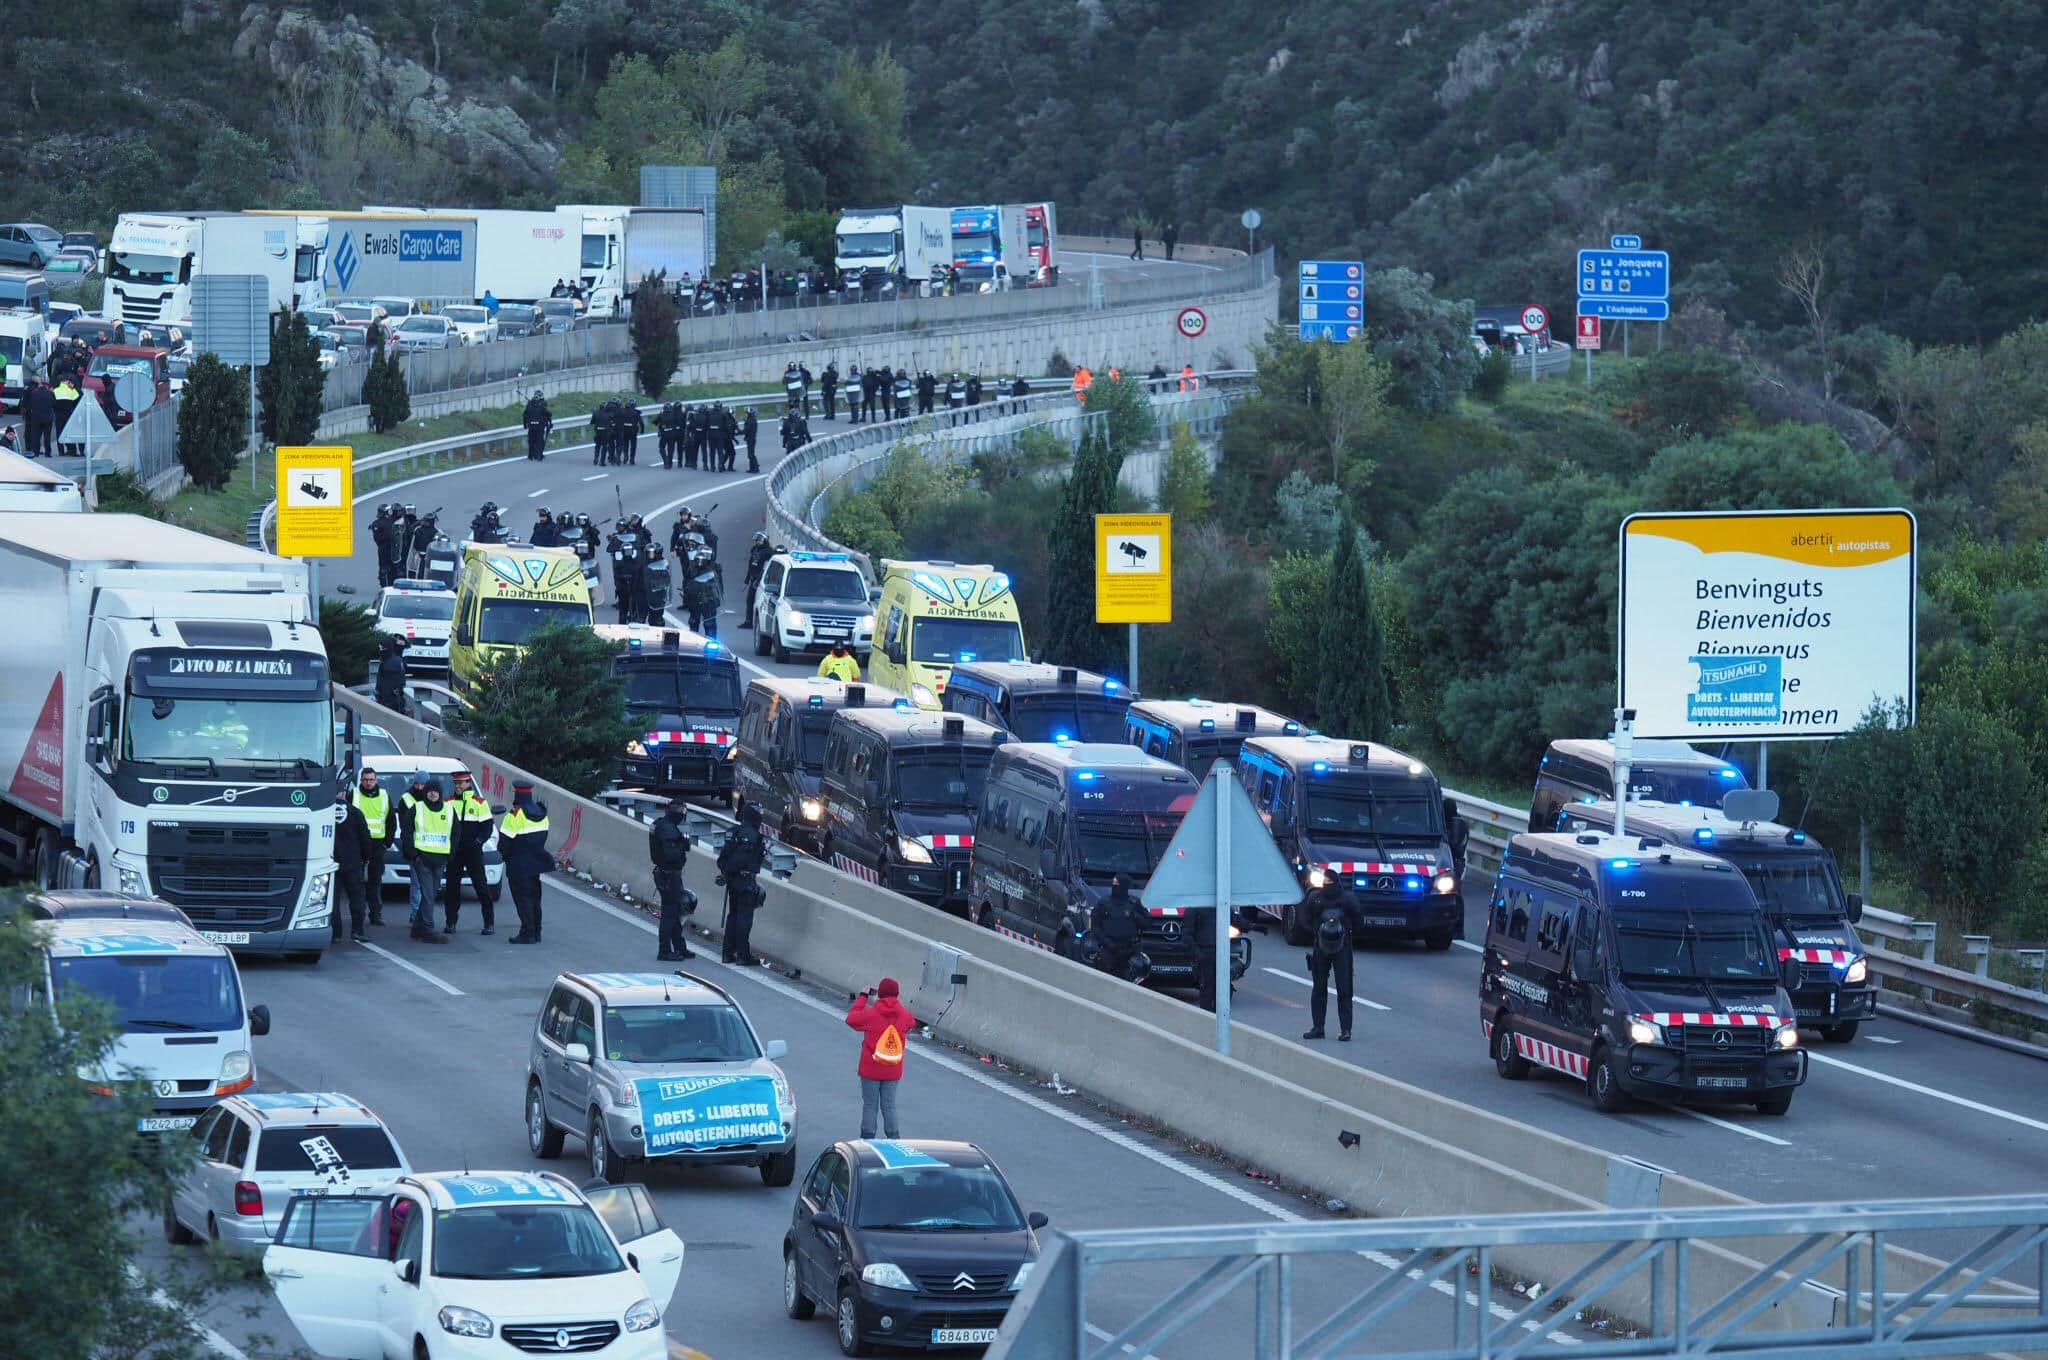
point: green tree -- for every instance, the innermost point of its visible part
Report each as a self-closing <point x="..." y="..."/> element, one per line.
<point x="291" y="387"/>
<point x="1297" y="589"/>
<point x="1354" y="392"/>
<point x="1490" y="382"/>
<point x="350" y="633"/>
<point x="1127" y="408"/>
<point x="867" y="103"/>
<point x="657" y="345"/>
<point x="120" y="492"/>
<point x="556" y="710"/>
<point x="233" y="170"/>
<point x="1351" y="686"/>
<point x="1184" y="482"/>
<point x="1072" y="636"/>
<point x="1784" y="467"/>
<point x="862" y="523"/>
<point x="213" y="420"/>
<point x="1425" y="340"/>
<point x="384" y="387"/>
<point x="78" y="1179"/>
<point x="1682" y="392"/>
<point x="1219" y="598"/>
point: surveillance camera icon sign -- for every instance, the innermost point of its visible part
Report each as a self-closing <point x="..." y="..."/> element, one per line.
<point x="319" y="487"/>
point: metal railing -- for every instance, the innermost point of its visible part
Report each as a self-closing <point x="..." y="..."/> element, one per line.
<point x="459" y="366"/>
<point x="1767" y="1282"/>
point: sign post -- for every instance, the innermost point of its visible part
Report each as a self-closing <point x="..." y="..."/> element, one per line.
<point x="1589" y="340"/>
<point x="1781" y="625"/>
<point x="1534" y="319"/>
<point x="231" y="320"/>
<point x="316" y="507"/>
<point x="1191" y="325"/>
<point x="1251" y="219"/>
<point x="1134" y="574"/>
<point x="1330" y="300"/>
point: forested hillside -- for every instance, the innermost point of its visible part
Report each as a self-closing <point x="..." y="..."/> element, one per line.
<point x="1900" y="143"/>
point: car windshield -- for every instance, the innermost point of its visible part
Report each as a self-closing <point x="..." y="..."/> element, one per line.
<point x="593" y="250"/>
<point x="557" y="307"/>
<point x="135" y="268"/>
<point x="357" y="311"/>
<point x="936" y="1199"/>
<point x="82" y="238"/>
<point x="513" y="314"/>
<point x="866" y="244"/>
<point x="361" y="1147"/>
<point x="678" y="1034"/>
<point x="118" y="365"/>
<point x="824" y="583"/>
<point x="812" y="729"/>
<point x="1341" y="811"/>
<point x="522" y="1242"/>
<point x="1035" y="234"/>
<point x="288" y="734"/>
<point x="511" y="622"/>
<point x="467" y="315"/>
<point x="943" y="641"/>
<point x="154" y="993"/>
<point x="399" y="781"/>
<point x="1684" y="783"/>
<point x="949" y="781"/>
<point x="375" y="741"/>
<point x="1202" y="754"/>
<point x="410" y="606"/>
<point x="1708" y="946"/>
<point x="688" y="686"/>
<point x="1794" y="885"/>
<point x="971" y="244"/>
<point x="1062" y="717"/>
<point x="429" y="325"/>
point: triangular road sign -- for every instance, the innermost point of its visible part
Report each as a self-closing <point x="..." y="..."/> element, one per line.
<point x="1259" y="874"/>
<point x="88" y="421"/>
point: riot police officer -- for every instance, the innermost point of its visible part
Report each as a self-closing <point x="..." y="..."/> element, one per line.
<point x="655" y="586"/>
<point x="902" y="394"/>
<point x="485" y="527"/>
<point x="1334" y="924"/>
<point x="631" y="426"/>
<point x="703" y="585"/>
<point x="545" y="534"/>
<point x="670" y="424"/>
<point x="1115" y="925"/>
<point x="757" y="562"/>
<point x="538" y="420"/>
<point x="829" y="381"/>
<point x="956" y="392"/>
<point x="387" y="531"/>
<point x="627" y="554"/>
<point x="668" y="849"/>
<point x="728" y="431"/>
<point x="740" y="861"/>
<point x="750" y="430"/>
<point x="601" y="431"/>
<point x="694" y="425"/>
<point x="927" y="387"/>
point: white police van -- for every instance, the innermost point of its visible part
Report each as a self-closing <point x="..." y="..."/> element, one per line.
<point x="177" y="1005"/>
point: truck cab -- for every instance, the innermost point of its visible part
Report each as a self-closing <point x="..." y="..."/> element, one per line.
<point x="901" y="791"/>
<point x="1195" y="733"/>
<point x="110" y="362"/>
<point x="780" y="761"/>
<point x="1638" y="968"/>
<point x="683" y="692"/>
<point x="1365" y="813"/>
<point x="1033" y="701"/>
<point x="1795" y="882"/>
<point x="150" y="263"/>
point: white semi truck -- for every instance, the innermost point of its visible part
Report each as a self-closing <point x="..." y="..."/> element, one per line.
<point x="622" y="243"/>
<point x="166" y="726"/>
<point x="907" y="243"/>
<point x="153" y="258"/>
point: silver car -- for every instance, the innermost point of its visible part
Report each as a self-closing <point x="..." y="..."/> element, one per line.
<point x="29" y="243"/>
<point x="657" y="1067"/>
<point x="259" y="1149"/>
<point x="426" y="332"/>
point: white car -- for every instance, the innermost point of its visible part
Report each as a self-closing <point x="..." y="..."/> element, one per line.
<point x="807" y="601"/>
<point x="425" y="332"/>
<point x="394" y="774"/>
<point x="474" y="325"/>
<point x="259" y="1149"/>
<point x="477" y="1264"/>
<point x="423" y="613"/>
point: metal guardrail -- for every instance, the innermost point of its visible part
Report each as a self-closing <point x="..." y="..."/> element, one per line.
<point x="1759" y="1281"/>
<point x="1901" y="949"/>
<point x="445" y="370"/>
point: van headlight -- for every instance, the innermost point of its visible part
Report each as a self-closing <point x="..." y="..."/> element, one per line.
<point x="1858" y="971"/>
<point x="922" y="696"/>
<point x="911" y="852"/>
<point x="1317" y="878"/>
<point x="235" y="1066"/>
<point x="784" y="1096"/>
<point x="798" y="619"/>
<point x="465" y="1322"/>
<point x="628" y="1096"/>
<point x="886" y="1275"/>
<point x="1446" y="883"/>
<point x="1788" y="1037"/>
<point x="1643" y="1032"/>
<point x="636" y="747"/>
<point x="642" y="1316"/>
<point x="812" y="809"/>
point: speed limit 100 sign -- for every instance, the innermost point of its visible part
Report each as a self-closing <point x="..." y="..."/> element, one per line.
<point x="1534" y="318"/>
<point x="1191" y="322"/>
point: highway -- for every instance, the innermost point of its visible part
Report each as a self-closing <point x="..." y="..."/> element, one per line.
<point x="1904" y="1109"/>
<point x="436" y="1041"/>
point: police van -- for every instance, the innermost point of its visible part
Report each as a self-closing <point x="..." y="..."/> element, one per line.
<point x="1362" y="812"/>
<point x="1582" y="771"/>
<point x="177" y="1006"/>
<point x="936" y="615"/>
<point x="1195" y="733"/>
<point x="504" y="594"/>
<point x="1795" y="881"/>
<point x="683" y="693"/>
<point x="779" y="758"/>
<point x="901" y="791"/>
<point x="1033" y="701"/>
<point x="1638" y="967"/>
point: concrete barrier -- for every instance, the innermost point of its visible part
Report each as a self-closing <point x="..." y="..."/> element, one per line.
<point x="1273" y="1105"/>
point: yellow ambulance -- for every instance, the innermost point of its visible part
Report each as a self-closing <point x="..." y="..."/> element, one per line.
<point x="504" y="594"/>
<point x="934" y="615"/>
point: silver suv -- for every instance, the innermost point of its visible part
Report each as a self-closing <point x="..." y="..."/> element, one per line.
<point x="657" y="1066"/>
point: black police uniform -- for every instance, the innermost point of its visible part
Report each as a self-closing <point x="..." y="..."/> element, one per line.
<point x="353" y="850"/>
<point x="750" y="428"/>
<point x="1117" y="922"/>
<point x="473" y="827"/>
<point x="1334" y="923"/>
<point x="830" y="382"/>
<point x="631" y="426"/>
<point x="538" y="421"/>
<point x="739" y="868"/>
<point x="668" y="849"/>
<point x="384" y="532"/>
<point x="670" y="424"/>
<point x="728" y="436"/>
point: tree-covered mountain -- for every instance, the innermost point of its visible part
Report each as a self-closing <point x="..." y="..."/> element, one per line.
<point x="1897" y="145"/>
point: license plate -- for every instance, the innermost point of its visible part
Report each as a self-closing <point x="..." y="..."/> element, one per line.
<point x="166" y="1123"/>
<point x="963" y="1336"/>
<point x="1723" y="1083"/>
<point x="1384" y="921"/>
<point x="227" y="936"/>
<point x="1806" y="1014"/>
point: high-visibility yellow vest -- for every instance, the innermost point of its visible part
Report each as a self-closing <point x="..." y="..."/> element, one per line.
<point x="376" y="809"/>
<point x="470" y="808"/>
<point x="432" y="829"/>
<point x="517" y="823"/>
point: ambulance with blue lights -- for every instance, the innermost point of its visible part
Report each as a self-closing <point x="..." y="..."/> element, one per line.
<point x="936" y="615"/>
<point x="1196" y="733"/>
<point x="1795" y="882"/>
<point x="504" y="594"/>
<point x="1365" y="813"/>
<point x="1033" y="701"/>
<point x="683" y="694"/>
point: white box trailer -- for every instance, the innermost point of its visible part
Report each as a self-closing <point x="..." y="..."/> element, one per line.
<point x="521" y="256"/>
<point x="166" y="725"/>
<point x="668" y="241"/>
<point x="927" y="242"/>
<point x="26" y="485"/>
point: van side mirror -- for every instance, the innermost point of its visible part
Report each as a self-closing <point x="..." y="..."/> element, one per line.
<point x="259" y="1020"/>
<point x="775" y="1049"/>
<point x="1855" y="908"/>
<point x="576" y="1053"/>
<point x="1788" y="973"/>
<point x="1036" y="1219"/>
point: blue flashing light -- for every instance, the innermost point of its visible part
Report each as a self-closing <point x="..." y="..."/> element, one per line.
<point x="1727" y="774"/>
<point x="714" y="646"/>
<point x="1321" y="767"/>
<point x="1110" y="687"/>
<point x="1797" y="838"/>
<point x="1588" y="798"/>
<point x="817" y="701"/>
<point x="1290" y="728"/>
<point x="1062" y="738"/>
<point x="901" y="705"/>
<point x="966" y="657"/>
<point x="1703" y="835"/>
<point x="634" y="644"/>
<point x="1086" y="776"/>
<point x="1414" y="885"/>
<point x="1621" y="864"/>
<point x="1358" y="883"/>
<point x="1208" y="724"/>
<point x="1685" y="802"/>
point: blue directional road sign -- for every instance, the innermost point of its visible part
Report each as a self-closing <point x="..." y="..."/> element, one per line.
<point x="1625" y="309"/>
<point x="1331" y="300"/>
<point x="1636" y="275"/>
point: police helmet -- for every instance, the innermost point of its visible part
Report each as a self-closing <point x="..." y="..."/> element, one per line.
<point x="536" y="394"/>
<point x="544" y="512"/>
<point x="760" y="537"/>
<point x="583" y="520"/>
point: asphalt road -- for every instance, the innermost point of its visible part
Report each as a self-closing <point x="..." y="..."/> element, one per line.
<point x="435" y="1039"/>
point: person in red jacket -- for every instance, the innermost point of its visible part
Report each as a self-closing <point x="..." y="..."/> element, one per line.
<point x="884" y="1023"/>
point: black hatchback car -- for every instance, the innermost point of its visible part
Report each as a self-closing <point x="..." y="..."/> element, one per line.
<point x="919" y="1244"/>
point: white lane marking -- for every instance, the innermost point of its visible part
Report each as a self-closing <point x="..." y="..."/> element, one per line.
<point x="531" y="494"/>
<point x="413" y="968"/>
<point x="597" y="476"/>
<point x="756" y="668"/>
<point x="1731" y="1126"/>
<point x="388" y="487"/>
<point x="1880" y="1039"/>
<point x="215" y="1342"/>
<point x="1467" y="944"/>
<point x="1125" y="1141"/>
<point x="1915" y="1087"/>
<point x="1296" y="977"/>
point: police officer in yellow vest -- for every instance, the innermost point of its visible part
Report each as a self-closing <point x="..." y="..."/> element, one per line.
<point x="380" y="813"/>
<point x="839" y="664"/>
<point x="523" y="840"/>
<point x="472" y="829"/>
<point x="429" y="841"/>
